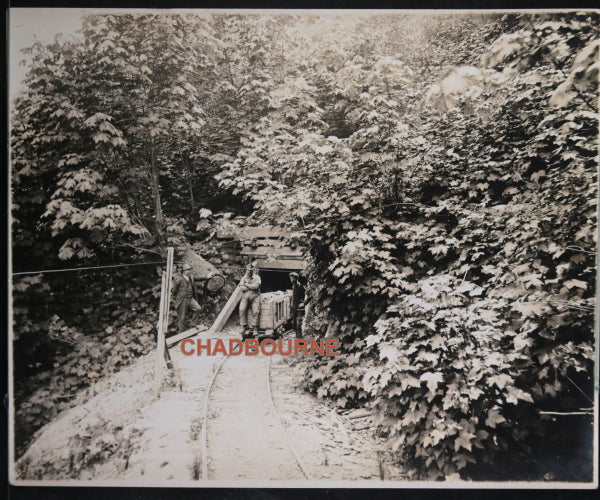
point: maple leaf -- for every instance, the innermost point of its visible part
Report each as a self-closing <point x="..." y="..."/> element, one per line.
<point x="437" y="341"/>
<point x="385" y="378"/>
<point x="432" y="379"/>
<point x="439" y="249"/>
<point x="532" y="280"/>
<point x="427" y="441"/>
<point x="513" y="396"/>
<point x="464" y="440"/>
<point x="340" y="384"/>
<point x="424" y="355"/>
<point x="395" y="390"/>
<point x="500" y="380"/>
<point x="529" y="309"/>
<point x="409" y="381"/>
<point x="373" y="339"/>
<point x="467" y="286"/>
<point x="438" y="436"/>
<point x="389" y="352"/>
<point x="494" y="418"/>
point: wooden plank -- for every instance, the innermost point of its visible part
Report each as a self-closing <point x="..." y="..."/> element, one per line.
<point x="287" y="265"/>
<point x="274" y="251"/>
<point x="160" y="346"/>
<point x="170" y="258"/>
<point x="261" y="232"/>
<point x="163" y="323"/>
<point x="169" y="271"/>
<point x="227" y="310"/>
<point x="175" y="339"/>
<point x="233" y="245"/>
<point x="249" y="233"/>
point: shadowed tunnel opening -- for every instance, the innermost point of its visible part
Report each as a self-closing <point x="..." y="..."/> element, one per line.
<point x="274" y="280"/>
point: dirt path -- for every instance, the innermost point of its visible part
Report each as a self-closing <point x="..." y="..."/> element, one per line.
<point x="245" y="440"/>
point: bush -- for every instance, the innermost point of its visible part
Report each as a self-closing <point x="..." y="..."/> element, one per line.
<point x="451" y="233"/>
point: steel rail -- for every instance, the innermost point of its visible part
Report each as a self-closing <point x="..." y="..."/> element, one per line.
<point x="204" y="433"/>
<point x="291" y="446"/>
<point x="205" y="420"/>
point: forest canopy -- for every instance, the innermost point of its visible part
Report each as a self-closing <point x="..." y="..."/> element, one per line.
<point x="439" y="171"/>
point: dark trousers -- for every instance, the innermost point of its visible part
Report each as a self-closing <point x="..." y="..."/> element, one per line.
<point x="296" y="324"/>
<point x="188" y="303"/>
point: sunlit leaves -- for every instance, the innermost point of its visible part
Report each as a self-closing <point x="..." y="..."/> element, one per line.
<point x="451" y="245"/>
<point x="583" y="76"/>
<point x="465" y="82"/>
<point x="432" y="379"/>
<point x="129" y="111"/>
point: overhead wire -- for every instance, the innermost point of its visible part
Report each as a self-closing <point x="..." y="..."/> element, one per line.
<point x="45" y="271"/>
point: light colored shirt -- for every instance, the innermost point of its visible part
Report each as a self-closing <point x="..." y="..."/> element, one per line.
<point x="252" y="283"/>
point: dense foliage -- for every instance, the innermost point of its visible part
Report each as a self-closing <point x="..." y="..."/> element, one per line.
<point x="440" y="172"/>
<point x="114" y="144"/>
<point x="452" y="230"/>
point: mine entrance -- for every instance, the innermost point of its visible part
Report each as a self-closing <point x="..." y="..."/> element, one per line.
<point x="274" y="279"/>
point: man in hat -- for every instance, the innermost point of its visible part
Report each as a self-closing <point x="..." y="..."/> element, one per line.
<point x="183" y="292"/>
<point x="250" y="303"/>
<point x="297" y="301"/>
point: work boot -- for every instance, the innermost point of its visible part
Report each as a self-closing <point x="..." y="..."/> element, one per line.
<point x="244" y="333"/>
<point x="255" y="331"/>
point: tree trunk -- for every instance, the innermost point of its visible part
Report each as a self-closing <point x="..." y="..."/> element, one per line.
<point x="190" y="187"/>
<point x="157" y="203"/>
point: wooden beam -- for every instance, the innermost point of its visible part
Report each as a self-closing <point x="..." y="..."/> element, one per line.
<point x="249" y="232"/>
<point x="274" y="251"/>
<point x="175" y="339"/>
<point x="170" y="258"/>
<point x="261" y="232"/>
<point x="163" y="323"/>
<point x="170" y="254"/>
<point x="284" y="264"/>
<point x="227" y="310"/>
<point x="160" y="344"/>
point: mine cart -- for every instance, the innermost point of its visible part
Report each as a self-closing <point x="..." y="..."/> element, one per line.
<point x="275" y="312"/>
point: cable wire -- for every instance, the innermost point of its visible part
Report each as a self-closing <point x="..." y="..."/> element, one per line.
<point x="44" y="271"/>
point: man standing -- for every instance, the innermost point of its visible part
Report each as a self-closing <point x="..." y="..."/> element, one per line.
<point x="183" y="291"/>
<point x="298" y="293"/>
<point x="250" y="303"/>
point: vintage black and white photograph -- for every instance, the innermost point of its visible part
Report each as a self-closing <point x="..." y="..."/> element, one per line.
<point x="303" y="248"/>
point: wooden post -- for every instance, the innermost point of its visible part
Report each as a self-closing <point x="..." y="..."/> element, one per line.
<point x="169" y="272"/>
<point x="163" y="322"/>
<point x="158" y="365"/>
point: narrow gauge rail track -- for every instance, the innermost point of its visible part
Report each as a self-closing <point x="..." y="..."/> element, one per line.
<point x="273" y="409"/>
